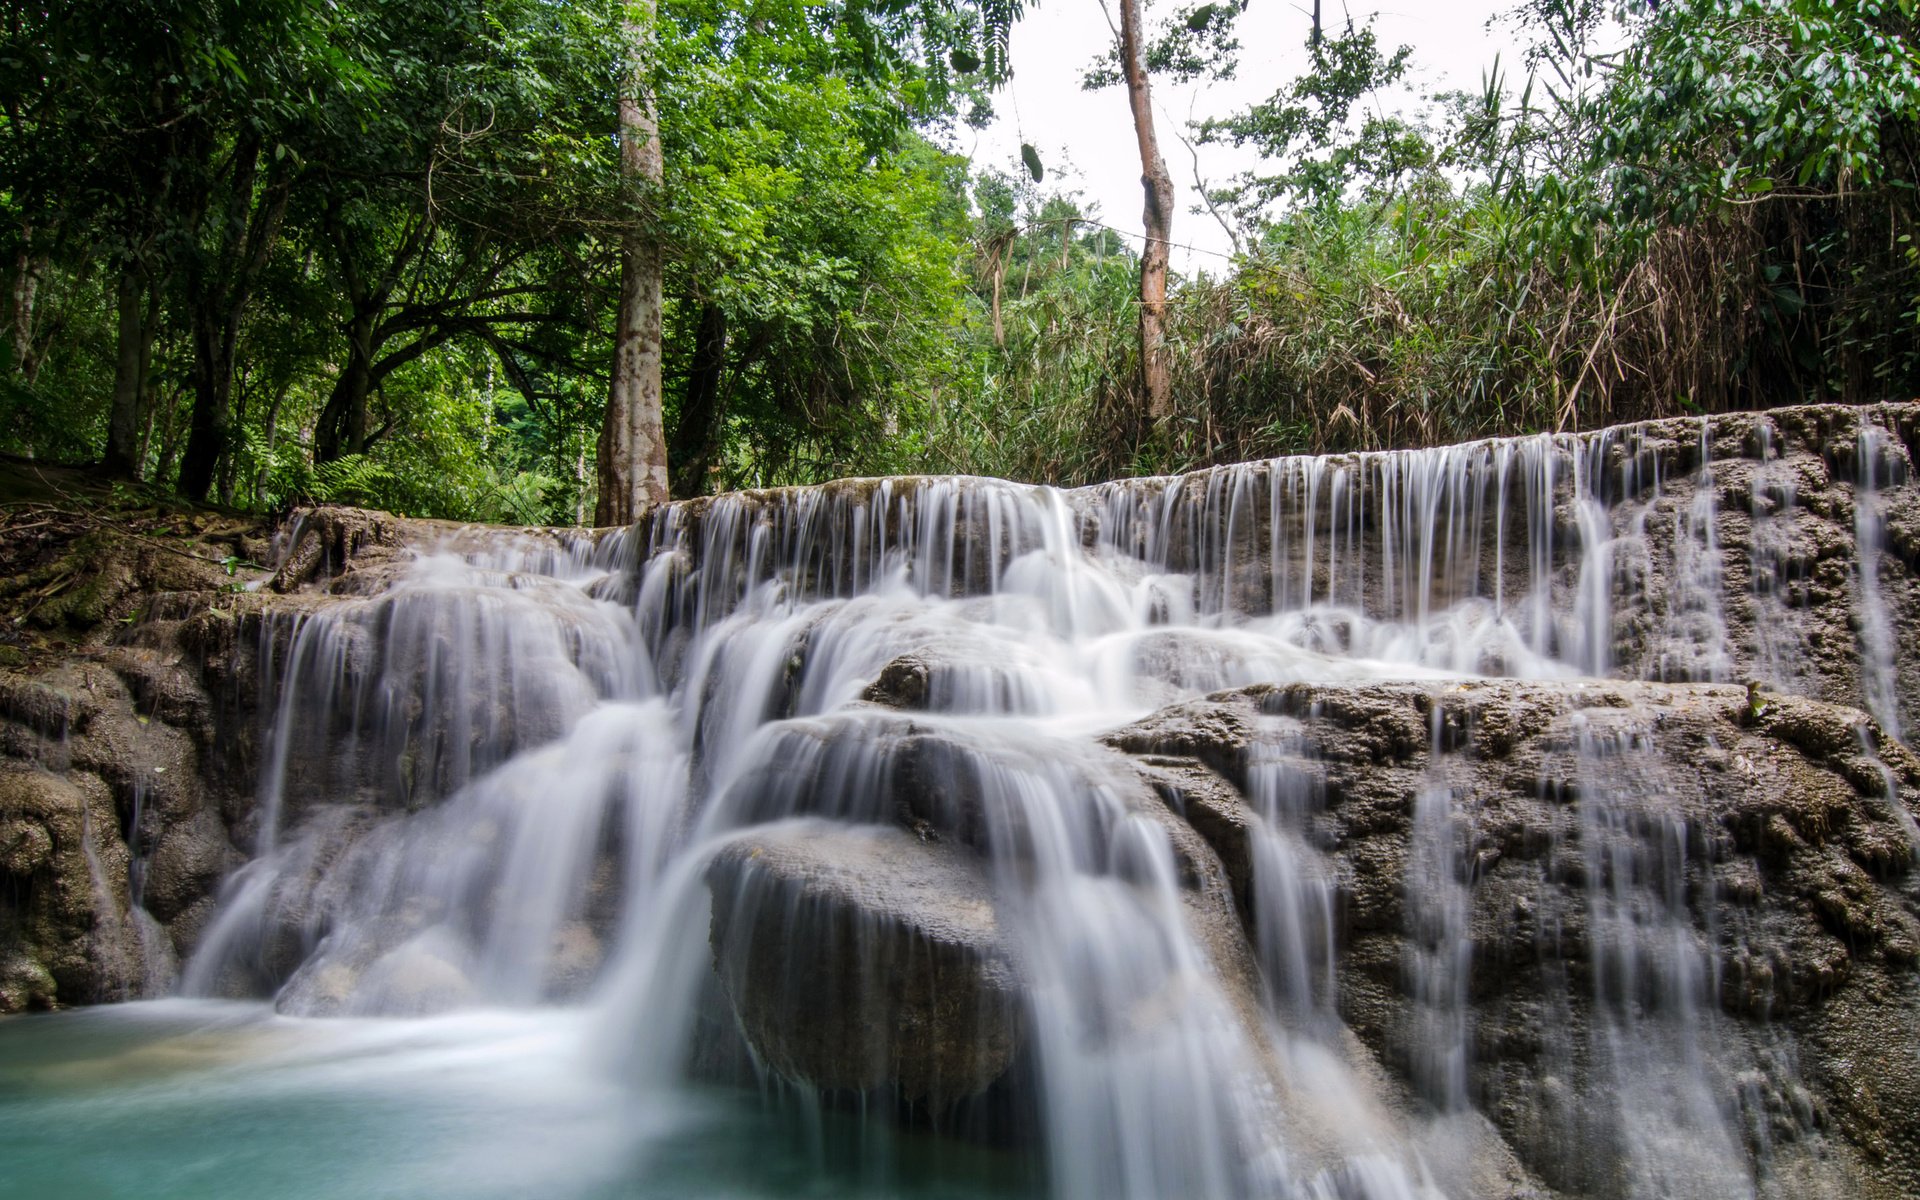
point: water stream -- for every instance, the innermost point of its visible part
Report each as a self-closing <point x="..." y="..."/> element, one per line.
<point x="494" y="795"/>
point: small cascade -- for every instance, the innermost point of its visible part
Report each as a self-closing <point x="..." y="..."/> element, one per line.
<point x="1294" y="895"/>
<point x="1696" y="634"/>
<point x="820" y="787"/>
<point x="1152" y="1081"/>
<point x="1880" y="463"/>
<point x="407" y="695"/>
<point x="1668" y="1127"/>
<point x="1889" y="790"/>
<point x="1439" y="950"/>
<point x="136" y="841"/>
<point x="1493" y="557"/>
<point x="492" y="895"/>
<point x="120" y="924"/>
<point x="157" y="960"/>
<point x="1779" y="567"/>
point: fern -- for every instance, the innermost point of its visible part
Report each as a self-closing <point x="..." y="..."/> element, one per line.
<point x="355" y="479"/>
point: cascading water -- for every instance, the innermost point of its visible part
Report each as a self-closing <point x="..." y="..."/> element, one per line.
<point x="1670" y="1128"/>
<point x="1779" y="572"/>
<point x="1439" y="943"/>
<point x="806" y="784"/>
<point x="1881" y="463"/>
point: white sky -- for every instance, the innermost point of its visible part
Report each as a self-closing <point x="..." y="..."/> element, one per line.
<point x="1086" y="140"/>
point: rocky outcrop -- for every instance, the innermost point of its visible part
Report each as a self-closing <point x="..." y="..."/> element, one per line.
<point x="124" y="789"/>
<point x="1652" y="888"/>
<point x="65" y="936"/>
<point x="1698" y="869"/>
<point x="130" y="709"/>
<point x="1714" y="548"/>
<point x="863" y="957"/>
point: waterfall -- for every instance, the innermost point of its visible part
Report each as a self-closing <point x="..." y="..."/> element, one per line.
<point x="1651" y="1047"/>
<point x="809" y="784"/>
<point x="1881" y="463"/>
<point x="1779" y="574"/>
<point x="1439" y="944"/>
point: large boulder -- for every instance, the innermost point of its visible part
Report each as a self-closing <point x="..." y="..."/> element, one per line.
<point x="860" y="958"/>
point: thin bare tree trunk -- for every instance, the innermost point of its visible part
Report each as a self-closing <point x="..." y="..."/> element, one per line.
<point x="999" y="330"/>
<point x="1158" y="185"/>
<point x="632" y="457"/>
<point x="580" y="485"/>
<point x="149" y="390"/>
<point x="261" y="476"/>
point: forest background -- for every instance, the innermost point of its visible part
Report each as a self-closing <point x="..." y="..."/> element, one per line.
<point x="271" y="251"/>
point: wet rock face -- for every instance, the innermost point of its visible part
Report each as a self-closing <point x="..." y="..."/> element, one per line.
<point x="69" y="934"/>
<point x="1791" y="497"/>
<point x="127" y="762"/>
<point x="862" y="958"/>
<point x="1651" y="888"/>
<point x="113" y="842"/>
<point x="1652" y="933"/>
<point x="1717" y="549"/>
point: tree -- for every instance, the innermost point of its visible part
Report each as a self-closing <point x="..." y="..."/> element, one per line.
<point x="1197" y="40"/>
<point x="1155" y="382"/>
<point x="812" y="236"/>
<point x="259" y="78"/>
<point x="633" y="446"/>
<point x="1792" y="126"/>
<point x="442" y="215"/>
<point x="911" y="60"/>
<point x="1311" y="146"/>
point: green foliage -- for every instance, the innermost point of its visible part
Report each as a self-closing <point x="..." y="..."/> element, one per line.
<point x="349" y="219"/>
<point x="1040" y="400"/>
<point x="802" y="207"/>
<point x="1783" y="131"/>
<point x="1194" y="41"/>
<point x="1307" y="130"/>
<point x="54" y="406"/>
<point x="457" y="462"/>
<point x="1715" y="102"/>
<point x="1719" y="214"/>
<point x="391" y="229"/>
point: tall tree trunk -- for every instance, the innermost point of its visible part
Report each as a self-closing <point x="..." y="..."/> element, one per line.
<point x="218" y="295"/>
<point x="999" y="272"/>
<point x="208" y="427"/>
<point x="632" y="458"/>
<point x="580" y="484"/>
<point x="28" y="271"/>
<point x="697" y="434"/>
<point x="342" y="427"/>
<point x="1158" y="185"/>
<point x="131" y="352"/>
<point x="169" y="404"/>
<point x="149" y="332"/>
